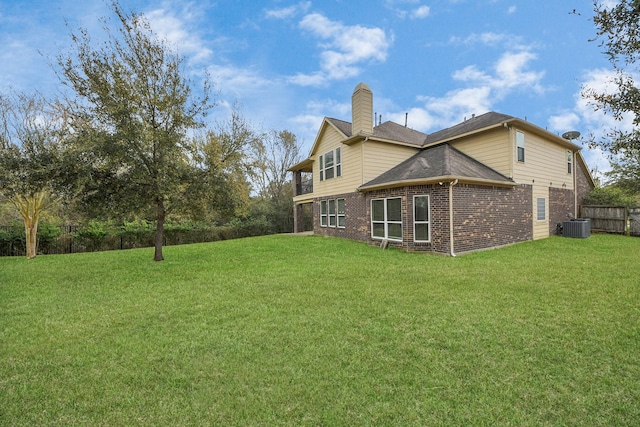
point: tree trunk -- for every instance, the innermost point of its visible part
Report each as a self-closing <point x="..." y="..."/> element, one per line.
<point x="31" y="232"/>
<point x="160" y="216"/>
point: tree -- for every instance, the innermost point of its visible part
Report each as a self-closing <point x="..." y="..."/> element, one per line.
<point x="608" y="196"/>
<point x="618" y="30"/>
<point x="274" y="155"/>
<point x="132" y="115"/>
<point x="625" y="174"/>
<point x="221" y="190"/>
<point x="30" y="159"/>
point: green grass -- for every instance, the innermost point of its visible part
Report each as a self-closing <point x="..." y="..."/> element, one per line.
<point x="288" y="330"/>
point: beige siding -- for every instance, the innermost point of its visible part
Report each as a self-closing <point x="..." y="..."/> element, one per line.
<point x="379" y="157"/>
<point x="540" y="227"/>
<point x="493" y="148"/>
<point x="545" y="163"/>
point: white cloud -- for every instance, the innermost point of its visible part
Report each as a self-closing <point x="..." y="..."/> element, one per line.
<point x="344" y="49"/>
<point x="509" y="73"/>
<point x="512" y="10"/>
<point x="178" y="32"/>
<point x="288" y="12"/>
<point x="421" y="12"/>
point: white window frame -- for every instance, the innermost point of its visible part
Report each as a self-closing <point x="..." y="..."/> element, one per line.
<point x="426" y="222"/>
<point x="323" y="213"/>
<point x="334" y="169"/>
<point x="332" y="210"/>
<point x="569" y="162"/>
<point x="386" y="222"/>
<point x="541" y="202"/>
<point x="520" y="146"/>
<point x="342" y="213"/>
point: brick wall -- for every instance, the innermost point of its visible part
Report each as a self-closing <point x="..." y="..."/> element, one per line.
<point x="356" y="217"/>
<point x="583" y="184"/>
<point x="561" y="204"/>
<point x="484" y="217"/>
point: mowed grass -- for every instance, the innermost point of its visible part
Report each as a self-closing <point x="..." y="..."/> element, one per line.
<point x="309" y="331"/>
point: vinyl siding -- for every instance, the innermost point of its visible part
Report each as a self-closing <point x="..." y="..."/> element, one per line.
<point x="540" y="228"/>
<point x="491" y="148"/>
<point x="379" y="157"/>
<point x="545" y="163"/>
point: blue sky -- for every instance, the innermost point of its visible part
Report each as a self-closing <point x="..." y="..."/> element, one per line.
<point x="290" y="63"/>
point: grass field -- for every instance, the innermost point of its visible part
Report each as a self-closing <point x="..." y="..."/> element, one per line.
<point x="309" y="331"/>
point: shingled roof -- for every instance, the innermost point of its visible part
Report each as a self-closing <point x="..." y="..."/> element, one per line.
<point x="476" y="123"/>
<point x="440" y="162"/>
<point x="389" y="131"/>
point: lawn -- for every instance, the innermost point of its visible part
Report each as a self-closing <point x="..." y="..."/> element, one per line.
<point x="309" y="331"/>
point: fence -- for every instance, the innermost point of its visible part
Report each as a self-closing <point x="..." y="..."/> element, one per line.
<point x="73" y="239"/>
<point x="613" y="219"/>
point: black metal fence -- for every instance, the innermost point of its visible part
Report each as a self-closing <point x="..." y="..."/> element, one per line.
<point x="73" y="239"/>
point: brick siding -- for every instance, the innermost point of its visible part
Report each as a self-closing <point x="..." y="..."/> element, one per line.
<point x="484" y="217"/>
<point x="561" y="205"/>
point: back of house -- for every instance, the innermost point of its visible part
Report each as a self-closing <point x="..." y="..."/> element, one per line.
<point x="489" y="181"/>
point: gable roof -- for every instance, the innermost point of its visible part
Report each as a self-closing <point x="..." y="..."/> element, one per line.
<point x="438" y="163"/>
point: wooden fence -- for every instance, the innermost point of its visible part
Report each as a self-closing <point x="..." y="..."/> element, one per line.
<point x="613" y="219"/>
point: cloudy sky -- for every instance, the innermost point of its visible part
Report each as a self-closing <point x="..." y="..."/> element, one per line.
<point x="290" y="63"/>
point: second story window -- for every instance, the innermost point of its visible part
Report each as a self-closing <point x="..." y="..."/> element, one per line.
<point x="569" y="161"/>
<point x="520" y="146"/>
<point x="331" y="164"/>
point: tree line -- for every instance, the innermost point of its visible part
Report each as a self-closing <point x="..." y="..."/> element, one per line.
<point x="129" y="141"/>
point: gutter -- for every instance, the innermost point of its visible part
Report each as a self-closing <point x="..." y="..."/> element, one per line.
<point x="451" y="184"/>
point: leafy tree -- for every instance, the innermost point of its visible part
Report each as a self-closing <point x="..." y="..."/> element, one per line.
<point x="625" y="174"/>
<point x="618" y="30"/>
<point x="608" y="196"/>
<point x="30" y="159"/>
<point x="274" y="155"/>
<point x="132" y="115"/>
<point x="221" y="189"/>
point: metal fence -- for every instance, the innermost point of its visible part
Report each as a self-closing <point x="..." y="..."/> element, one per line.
<point x="71" y="239"/>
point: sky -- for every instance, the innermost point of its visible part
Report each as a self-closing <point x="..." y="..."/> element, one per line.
<point x="287" y="64"/>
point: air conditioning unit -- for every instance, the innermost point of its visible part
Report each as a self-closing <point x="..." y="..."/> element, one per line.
<point x="580" y="228"/>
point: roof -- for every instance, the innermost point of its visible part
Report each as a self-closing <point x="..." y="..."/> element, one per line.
<point x="388" y="131"/>
<point x="440" y="162"/>
<point x="474" y="124"/>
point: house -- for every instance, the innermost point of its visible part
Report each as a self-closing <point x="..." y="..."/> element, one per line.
<point x="490" y="181"/>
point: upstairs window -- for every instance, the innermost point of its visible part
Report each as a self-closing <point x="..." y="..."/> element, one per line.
<point x="569" y="161"/>
<point x="520" y="146"/>
<point x="331" y="164"/>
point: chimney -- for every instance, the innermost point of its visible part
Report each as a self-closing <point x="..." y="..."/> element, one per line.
<point x="362" y="110"/>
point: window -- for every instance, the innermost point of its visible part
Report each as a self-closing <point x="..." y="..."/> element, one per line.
<point x="323" y="213"/>
<point x="541" y="209"/>
<point x="341" y="213"/>
<point x="421" y="232"/>
<point x="332" y="213"/>
<point x="569" y="161"/>
<point x="386" y="218"/>
<point x="520" y="145"/>
<point x="331" y="164"/>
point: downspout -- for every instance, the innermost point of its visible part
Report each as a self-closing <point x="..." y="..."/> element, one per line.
<point x="451" y="184"/>
<point x="574" y="170"/>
